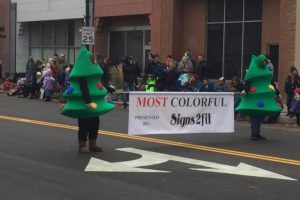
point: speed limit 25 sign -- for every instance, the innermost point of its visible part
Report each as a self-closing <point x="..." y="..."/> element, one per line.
<point x="88" y="36"/>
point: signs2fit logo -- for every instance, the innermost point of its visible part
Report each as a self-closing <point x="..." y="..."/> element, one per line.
<point x="200" y="119"/>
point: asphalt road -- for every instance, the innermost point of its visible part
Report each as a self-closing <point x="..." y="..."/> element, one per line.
<point x="39" y="160"/>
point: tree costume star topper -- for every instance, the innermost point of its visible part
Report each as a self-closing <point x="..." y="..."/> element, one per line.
<point x="260" y="99"/>
<point x="76" y="105"/>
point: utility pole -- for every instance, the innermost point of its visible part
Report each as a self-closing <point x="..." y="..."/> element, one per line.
<point x="87" y="17"/>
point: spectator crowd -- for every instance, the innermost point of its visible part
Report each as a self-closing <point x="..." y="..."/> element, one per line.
<point x="45" y="79"/>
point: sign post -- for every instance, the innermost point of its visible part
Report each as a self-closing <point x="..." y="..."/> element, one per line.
<point x="88" y="35"/>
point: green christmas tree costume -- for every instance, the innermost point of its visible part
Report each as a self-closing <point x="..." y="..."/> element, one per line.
<point x="76" y="106"/>
<point x="260" y="99"/>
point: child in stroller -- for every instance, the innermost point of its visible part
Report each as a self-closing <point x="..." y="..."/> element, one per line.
<point x="23" y="88"/>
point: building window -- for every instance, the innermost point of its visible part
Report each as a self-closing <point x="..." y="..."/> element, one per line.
<point x="129" y="43"/>
<point x="50" y="37"/>
<point x="36" y="34"/>
<point x="48" y="33"/>
<point x="61" y="33"/>
<point x="117" y="40"/>
<point x="233" y="35"/>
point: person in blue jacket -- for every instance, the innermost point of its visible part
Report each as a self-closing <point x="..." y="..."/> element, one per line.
<point x="207" y="86"/>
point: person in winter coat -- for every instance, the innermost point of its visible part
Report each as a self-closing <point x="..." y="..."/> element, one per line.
<point x="30" y="65"/>
<point x="31" y="69"/>
<point x="151" y="65"/>
<point x="185" y="65"/>
<point x="291" y="83"/>
<point x="221" y="87"/>
<point x="207" y="86"/>
<point x="236" y="85"/>
<point x="297" y="102"/>
<point x="195" y="84"/>
<point x="202" y="69"/>
<point x="160" y="72"/>
<point x="48" y="84"/>
<point x="172" y="74"/>
<point x="50" y="66"/>
<point x="59" y="69"/>
<point x="105" y="65"/>
<point x="129" y="76"/>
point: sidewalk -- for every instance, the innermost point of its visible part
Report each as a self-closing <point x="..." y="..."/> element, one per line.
<point x="282" y="119"/>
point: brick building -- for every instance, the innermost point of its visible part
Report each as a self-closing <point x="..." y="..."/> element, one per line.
<point x="228" y="32"/>
<point x="5" y="35"/>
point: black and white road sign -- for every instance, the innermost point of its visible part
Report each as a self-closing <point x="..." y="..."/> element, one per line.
<point x="88" y="35"/>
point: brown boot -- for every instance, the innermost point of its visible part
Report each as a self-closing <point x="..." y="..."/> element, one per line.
<point x="83" y="147"/>
<point x="94" y="147"/>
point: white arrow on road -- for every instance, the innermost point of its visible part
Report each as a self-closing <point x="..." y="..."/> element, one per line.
<point x="149" y="158"/>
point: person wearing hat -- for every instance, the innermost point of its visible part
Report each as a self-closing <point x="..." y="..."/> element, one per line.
<point x="291" y="83"/>
<point x="269" y="65"/>
<point x="221" y="87"/>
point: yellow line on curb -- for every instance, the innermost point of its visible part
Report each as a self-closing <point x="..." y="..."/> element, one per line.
<point x="162" y="141"/>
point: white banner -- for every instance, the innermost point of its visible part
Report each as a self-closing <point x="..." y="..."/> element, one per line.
<point x="180" y="112"/>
